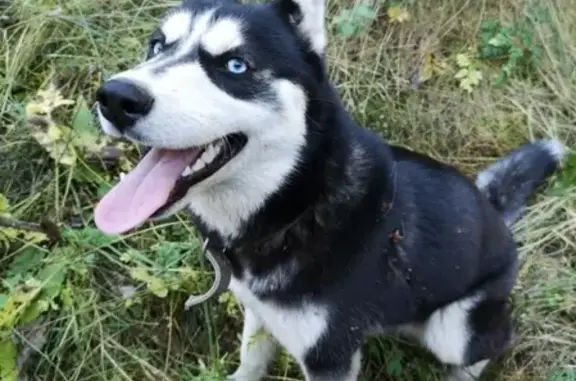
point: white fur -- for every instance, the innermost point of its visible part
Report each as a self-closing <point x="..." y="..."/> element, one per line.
<point x="229" y="197"/>
<point x="223" y="36"/>
<point x="175" y="26"/>
<point x="276" y="279"/>
<point x="297" y="328"/>
<point x="200" y="112"/>
<point x="312" y="25"/>
<point x="469" y="373"/>
<point x="256" y="351"/>
<point x="447" y="333"/>
<point x="555" y="148"/>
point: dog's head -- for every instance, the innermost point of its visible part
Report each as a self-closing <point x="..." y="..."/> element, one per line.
<point x="221" y="99"/>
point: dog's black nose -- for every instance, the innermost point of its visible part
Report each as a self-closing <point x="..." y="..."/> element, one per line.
<point x="123" y="103"/>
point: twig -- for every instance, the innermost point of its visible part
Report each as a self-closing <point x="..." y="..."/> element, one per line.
<point x="47" y="227"/>
<point x="7" y="222"/>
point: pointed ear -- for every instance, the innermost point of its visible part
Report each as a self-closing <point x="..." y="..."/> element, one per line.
<point x="307" y="16"/>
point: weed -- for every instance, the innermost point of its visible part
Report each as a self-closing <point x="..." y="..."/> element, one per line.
<point x="515" y="43"/>
<point x="354" y="21"/>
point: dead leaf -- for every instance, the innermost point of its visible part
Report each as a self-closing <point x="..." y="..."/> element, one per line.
<point x="397" y="13"/>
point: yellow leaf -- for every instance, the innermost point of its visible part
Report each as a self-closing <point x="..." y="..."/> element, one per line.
<point x="35" y="108"/>
<point x="63" y="153"/>
<point x="463" y="73"/>
<point x="154" y="284"/>
<point x="462" y="60"/>
<point x="47" y="101"/>
<point x="25" y="235"/>
<point x="430" y="67"/>
<point x="471" y="80"/>
<point x="53" y="98"/>
<point x="158" y="287"/>
<point x="140" y="273"/>
<point x="4" y="204"/>
<point x="397" y="14"/>
<point x="54" y="133"/>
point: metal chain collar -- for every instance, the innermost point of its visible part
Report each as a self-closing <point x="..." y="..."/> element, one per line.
<point x="222" y="277"/>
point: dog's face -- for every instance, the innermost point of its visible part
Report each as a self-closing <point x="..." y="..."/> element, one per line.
<point x="221" y="98"/>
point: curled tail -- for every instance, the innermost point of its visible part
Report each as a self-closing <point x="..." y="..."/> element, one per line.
<point x="510" y="181"/>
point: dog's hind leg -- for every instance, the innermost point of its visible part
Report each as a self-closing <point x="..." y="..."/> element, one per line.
<point x="467" y="334"/>
<point x="256" y="352"/>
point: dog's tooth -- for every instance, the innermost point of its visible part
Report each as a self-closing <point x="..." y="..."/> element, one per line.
<point x="199" y="164"/>
<point x="187" y="171"/>
<point x="218" y="146"/>
<point x="209" y="155"/>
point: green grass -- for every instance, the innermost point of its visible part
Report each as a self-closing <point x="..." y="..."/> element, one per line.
<point x="73" y="306"/>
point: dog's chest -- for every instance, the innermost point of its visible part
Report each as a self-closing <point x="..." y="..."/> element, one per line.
<point x="296" y="328"/>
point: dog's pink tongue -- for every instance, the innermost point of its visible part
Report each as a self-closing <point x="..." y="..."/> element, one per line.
<point x="142" y="191"/>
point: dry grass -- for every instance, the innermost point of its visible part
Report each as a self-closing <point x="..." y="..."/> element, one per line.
<point x="97" y="337"/>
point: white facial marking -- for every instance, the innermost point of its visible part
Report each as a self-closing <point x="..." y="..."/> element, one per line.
<point x="190" y="110"/>
<point x="223" y="36"/>
<point x="176" y="26"/>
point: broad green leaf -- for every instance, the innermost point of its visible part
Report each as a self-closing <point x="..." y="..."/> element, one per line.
<point x="88" y="237"/>
<point x="27" y="260"/>
<point x="87" y="135"/>
<point x="346" y="29"/>
<point x="83" y="121"/>
<point x="499" y="40"/>
<point x="8" y="356"/>
<point x="33" y="311"/>
<point x="366" y="12"/>
<point x="52" y="278"/>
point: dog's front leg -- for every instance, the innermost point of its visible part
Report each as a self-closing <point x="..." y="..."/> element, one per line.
<point x="256" y="352"/>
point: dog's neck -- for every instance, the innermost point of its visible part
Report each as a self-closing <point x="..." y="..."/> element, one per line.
<point x="322" y="193"/>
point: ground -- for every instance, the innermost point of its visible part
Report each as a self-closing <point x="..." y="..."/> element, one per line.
<point x="463" y="81"/>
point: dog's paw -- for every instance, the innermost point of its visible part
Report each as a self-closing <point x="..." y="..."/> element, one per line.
<point x="243" y="374"/>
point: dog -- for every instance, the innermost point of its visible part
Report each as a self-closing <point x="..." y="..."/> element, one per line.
<point x="332" y="234"/>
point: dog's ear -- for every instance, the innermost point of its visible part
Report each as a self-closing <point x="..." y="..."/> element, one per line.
<point x="307" y="16"/>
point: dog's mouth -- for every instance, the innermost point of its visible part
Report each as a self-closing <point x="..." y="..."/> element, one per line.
<point x="161" y="179"/>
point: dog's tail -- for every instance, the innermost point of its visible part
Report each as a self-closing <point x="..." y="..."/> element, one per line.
<point x="510" y="181"/>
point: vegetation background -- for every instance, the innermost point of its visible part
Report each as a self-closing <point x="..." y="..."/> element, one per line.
<point x="461" y="80"/>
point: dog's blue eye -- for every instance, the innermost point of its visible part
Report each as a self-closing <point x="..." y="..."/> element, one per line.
<point x="157" y="48"/>
<point x="236" y="66"/>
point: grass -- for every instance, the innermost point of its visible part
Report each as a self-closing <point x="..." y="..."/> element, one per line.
<point x="463" y="81"/>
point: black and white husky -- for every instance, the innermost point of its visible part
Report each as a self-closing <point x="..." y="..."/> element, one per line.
<point x="332" y="234"/>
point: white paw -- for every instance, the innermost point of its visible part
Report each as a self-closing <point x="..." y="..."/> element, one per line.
<point x="245" y="374"/>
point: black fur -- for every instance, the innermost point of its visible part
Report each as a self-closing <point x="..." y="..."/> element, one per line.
<point x="382" y="236"/>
